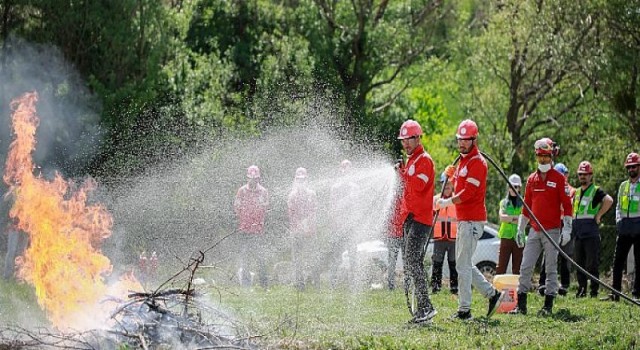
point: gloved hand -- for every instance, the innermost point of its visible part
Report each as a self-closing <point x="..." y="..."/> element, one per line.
<point x="399" y="164"/>
<point x="449" y="170"/>
<point x="565" y="235"/>
<point x="443" y="203"/>
<point x="520" y="235"/>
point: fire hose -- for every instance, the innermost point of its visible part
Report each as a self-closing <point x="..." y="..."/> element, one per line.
<point x="554" y="243"/>
<point x="424" y="249"/>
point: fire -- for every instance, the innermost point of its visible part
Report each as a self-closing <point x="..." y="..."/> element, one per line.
<point x="63" y="261"/>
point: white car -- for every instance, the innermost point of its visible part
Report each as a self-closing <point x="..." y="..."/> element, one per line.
<point x="374" y="254"/>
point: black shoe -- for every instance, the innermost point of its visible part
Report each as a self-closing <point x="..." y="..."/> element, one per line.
<point x="494" y="302"/>
<point x="542" y="289"/>
<point x="582" y="292"/>
<point x="424" y="315"/>
<point x="521" y="307"/>
<point x="462" y="315"/>
<point x="593" y="294"/>
<point x="562" y="291"/>
<point x="454" y="291"/>
<point x="611" y="297"/>
<point x="435" y="290"/>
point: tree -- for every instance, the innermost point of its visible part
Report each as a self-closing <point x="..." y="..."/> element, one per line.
<point x="531" y="67"/>
<point x="361" y="46"/>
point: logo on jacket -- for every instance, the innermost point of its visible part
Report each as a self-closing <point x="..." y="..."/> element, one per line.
<point x="551" y="184"/>
<point x="463" y="171"/>
<point x="412" y="169"/>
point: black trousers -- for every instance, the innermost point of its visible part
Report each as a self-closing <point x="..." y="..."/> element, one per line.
<point x="415" y="235"/>
<point x="587" y="253"/>
<point x="623" y="245"/>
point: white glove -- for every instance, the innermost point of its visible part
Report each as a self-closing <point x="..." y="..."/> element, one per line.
<point x="522" y="226"/>
<point x="443" y="203"/>
<point x="565" y="235"/>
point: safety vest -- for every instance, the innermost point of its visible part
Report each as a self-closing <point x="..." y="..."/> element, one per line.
<point x="629" y="201"/>
<point x="583" y="203"/>
<point x="446" y="227"/>
<point x="508" y="230"/>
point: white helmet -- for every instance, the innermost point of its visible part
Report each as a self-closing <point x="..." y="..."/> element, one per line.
<point x="515" y="180"/>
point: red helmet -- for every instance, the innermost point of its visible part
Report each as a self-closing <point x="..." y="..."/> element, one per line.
<point x="253" y="172"/>
<point x="410" y="128"/>
<point x="585" y="168"/>
<point x="545" y="146"/>
<point x="467" y="130"/>
<point x="632" y="159"/>
<point x="301" y="173"/>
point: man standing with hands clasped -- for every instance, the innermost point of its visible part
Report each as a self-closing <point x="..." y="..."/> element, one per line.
<point x="549" y="201"/>
<point x="470" y="180"/>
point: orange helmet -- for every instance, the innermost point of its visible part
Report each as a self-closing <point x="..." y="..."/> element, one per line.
<point x="467" y="130"/>
<point x="546" y="146"/>
<point x="253" y="172"/>
<point x="585" y="168"/>
<point x="410" y="128"/>
<point x="632" y="159"/>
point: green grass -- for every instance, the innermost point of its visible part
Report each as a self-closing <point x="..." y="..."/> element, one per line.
<point x="377" y="319"/>
<point x="18" y="305"/>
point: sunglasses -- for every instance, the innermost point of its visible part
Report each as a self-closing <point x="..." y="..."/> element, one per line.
<point x="630" y="167"/>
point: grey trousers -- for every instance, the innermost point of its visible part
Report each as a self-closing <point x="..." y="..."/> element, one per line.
<point x="536" y="244"/>
<point x="469" y="232"/>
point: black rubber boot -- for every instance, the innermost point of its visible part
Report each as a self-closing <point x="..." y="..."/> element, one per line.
<point x="436" y="277"/>
<point x="547" y="309"/>
<point x="453" y="277"/>
<point x="521" y="308"/>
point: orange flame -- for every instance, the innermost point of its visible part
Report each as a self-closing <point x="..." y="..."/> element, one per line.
<point x="63" y="261"/>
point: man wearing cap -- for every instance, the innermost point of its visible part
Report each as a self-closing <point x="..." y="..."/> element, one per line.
<point x="510" y="210"/>
<point x="302" y="204"/>
<point x="470" y="184"/>
<point x="250" y="205"/>
<point x="444" y="241"/>
<point x="546" y="196"/>
<point x="628" y="225"/>
<point x="589" y="204"/>
<point x="567" y="247"/>
<point x="417" y="176"/>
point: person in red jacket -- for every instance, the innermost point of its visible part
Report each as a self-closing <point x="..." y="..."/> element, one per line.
<point x="546" y="194"/>
<point x="395" y="242"/>
<point x="302" y="204"/>
<point x="250" y="205"/>
<point x="417" y="176"/>
<point x="444" y="237"/>
<point x="470" y="183"/>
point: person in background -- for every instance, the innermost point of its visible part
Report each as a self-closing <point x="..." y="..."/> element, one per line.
<point x="444" y="236"/>
<point x="628" y="226"/>
<point x="470" y="185"/>
<point x="250" y="206"/>
<point x="17" y="241"/>
<point x="302" y="205"/>
<point x="589" y="205"/>
<point x="546" y="196"/>
<point x="510" y="210"/>
<point x="417" y="176"/>
<point x="395" y="242"/>
<point x="568" y="248"/>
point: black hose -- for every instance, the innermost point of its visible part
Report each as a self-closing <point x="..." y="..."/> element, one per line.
<point x="424" y="249"/>
<point x="554" y="243"/>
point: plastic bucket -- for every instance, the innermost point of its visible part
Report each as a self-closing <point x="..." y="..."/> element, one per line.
<point x="508" y="284"/>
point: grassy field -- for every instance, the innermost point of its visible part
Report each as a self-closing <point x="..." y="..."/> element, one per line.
<point x="377" y="319"/>
<point x="320" y="318"/>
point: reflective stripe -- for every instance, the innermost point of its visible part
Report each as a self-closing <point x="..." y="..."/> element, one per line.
<point x="585" y="216"/>
<point x="423" y="177"/>
<point x="473" y="181"/>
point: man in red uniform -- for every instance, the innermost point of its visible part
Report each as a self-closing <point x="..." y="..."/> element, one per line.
<point x="417" y="176"/>
<point x="470" y="182"/>
<point x="302" y="204"/>
<point x="547" y="196"/>
<point x="250" y="206"/>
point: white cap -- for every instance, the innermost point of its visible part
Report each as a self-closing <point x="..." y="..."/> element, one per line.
<point x="515" y="180"/>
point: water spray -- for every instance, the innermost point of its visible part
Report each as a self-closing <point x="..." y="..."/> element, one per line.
<point x="554" y="243"/>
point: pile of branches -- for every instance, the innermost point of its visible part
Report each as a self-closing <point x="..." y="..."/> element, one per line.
<point x="161" y="319"/>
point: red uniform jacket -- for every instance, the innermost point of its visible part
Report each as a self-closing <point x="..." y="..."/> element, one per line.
<point x="547" y="199"/>
<point x="251" y="207"/>
<point x="395" y="225"/>
<point x="302" y="204"/>
<point x="470" y="184"/>
<point x="418" y="176"/>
